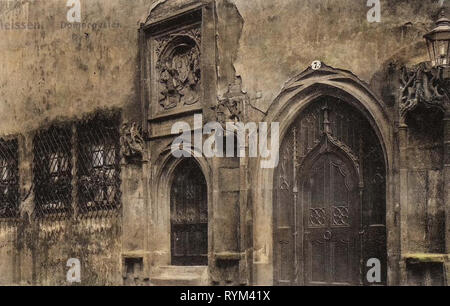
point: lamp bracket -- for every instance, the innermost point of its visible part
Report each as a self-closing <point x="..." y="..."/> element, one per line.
<point x="423" y="85"/>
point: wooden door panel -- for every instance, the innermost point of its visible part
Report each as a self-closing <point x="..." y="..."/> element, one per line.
<point x="331" y="178"/>
<point x="330" y="257"/>
<point x="340" y="195"/>
<point x="286" y="254"/>
<point x="341" y="261"/>
<point x="178" y="243"/>
<point x="316" y="250"/>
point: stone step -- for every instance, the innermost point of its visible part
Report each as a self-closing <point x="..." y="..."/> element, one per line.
<point x="176" y="281"/>
<point x="179" y="276"/>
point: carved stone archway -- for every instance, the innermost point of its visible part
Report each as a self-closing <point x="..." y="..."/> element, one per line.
<point x="295" y="97"/>
<point x="329" y="198"/>
<point x="160" y="193"/>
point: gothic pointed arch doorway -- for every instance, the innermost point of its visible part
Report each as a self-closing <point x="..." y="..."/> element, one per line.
<point x="329" y="198"/>
<point x="189" y="215"/>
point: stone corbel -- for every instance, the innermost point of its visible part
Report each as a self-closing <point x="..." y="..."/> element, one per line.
<point x="231" y="106"/>
<point x="422" y="85"/>
<point x="131" y="143"/>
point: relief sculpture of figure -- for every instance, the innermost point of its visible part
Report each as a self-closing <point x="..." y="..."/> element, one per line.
<point x="131" y="141"/>
<point x="170" y="96"/>
<point x="180" y="76"/>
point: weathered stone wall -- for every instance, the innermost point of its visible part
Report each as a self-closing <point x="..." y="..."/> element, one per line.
<point x="57" y="71"/>
<point x="426" y="230"/>
<point x="281" y="38"/>
<point x="96" y="243"/>
<point x="8" y="236"/>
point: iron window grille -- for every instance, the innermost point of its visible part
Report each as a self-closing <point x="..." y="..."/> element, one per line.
<point x="53" y="171"/>
<point x="98" y="164"/>
<point x="9" y="179"/>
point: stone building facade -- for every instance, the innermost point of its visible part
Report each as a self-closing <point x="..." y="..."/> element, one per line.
<point x="87" y="172"/>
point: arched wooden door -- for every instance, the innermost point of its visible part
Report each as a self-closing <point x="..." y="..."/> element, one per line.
<point x="329" y="198"/>
<point x="331" y="216"/>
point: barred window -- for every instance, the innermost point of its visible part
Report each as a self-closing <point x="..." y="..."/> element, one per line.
<point x="9" y="179"/>
<point x="53" y="171"/>
<point x="98" y="160"/>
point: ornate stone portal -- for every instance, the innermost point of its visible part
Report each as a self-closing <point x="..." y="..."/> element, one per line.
<point x="332" y="178"/>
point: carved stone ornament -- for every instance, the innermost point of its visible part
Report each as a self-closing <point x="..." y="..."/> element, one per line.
<point x="329" y="143"/>
<point x="131" y="142"/>
<point x="231" y="105"/>
<point x="422" y="85"/>
<point x="178" y="68"/>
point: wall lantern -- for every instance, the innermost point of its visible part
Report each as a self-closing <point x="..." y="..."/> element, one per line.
<point x="438" y="44"/>
<point x="425" y="84"/>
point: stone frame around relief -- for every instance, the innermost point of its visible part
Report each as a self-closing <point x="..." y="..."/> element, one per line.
<point x="173" y="72"/>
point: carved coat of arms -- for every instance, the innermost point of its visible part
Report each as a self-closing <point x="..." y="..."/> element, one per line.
<point x="179" y="70"/>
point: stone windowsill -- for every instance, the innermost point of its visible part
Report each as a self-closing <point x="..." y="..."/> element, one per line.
<point x="417" y="258"/>
<point x="135" y="254"/>
<point x="228" y="256"/>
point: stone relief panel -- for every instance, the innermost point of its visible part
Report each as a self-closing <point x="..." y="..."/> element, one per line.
<point x="177" y="71"/>
<point x="177" y="74"/>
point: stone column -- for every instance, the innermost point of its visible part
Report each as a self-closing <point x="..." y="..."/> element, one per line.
<point x="246" y="254"/>
<point x="27" y="235"/>
<point x="403" y="173"/>
<point x="135" y="256"/>
<point x="227" y="222"/>
<point x="446" y="173"/>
